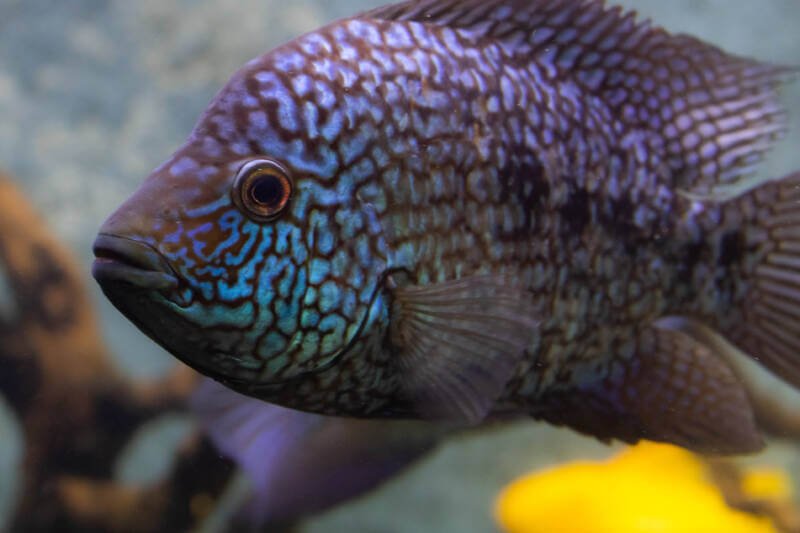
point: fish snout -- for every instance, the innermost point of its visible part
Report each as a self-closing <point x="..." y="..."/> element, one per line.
<point x="121" y="259"/>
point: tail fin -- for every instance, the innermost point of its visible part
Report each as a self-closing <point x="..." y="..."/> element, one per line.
<point x="766" y="324"/>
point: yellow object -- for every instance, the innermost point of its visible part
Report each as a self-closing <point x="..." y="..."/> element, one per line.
<point x="766" y="484"/>
<point x="648" y="488"/>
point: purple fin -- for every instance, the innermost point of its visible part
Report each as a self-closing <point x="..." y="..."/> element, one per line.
<point x="776" y="404"/>
<point x="301" y="463"/>
<point x="459" y="342"/>
<point x="766" y="323"/>
<point x="714" y="114"/>
<point x="670" y="389"/>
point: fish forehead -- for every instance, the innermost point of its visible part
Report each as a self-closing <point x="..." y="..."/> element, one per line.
<point x="363" y="110"/>
<point x="321" y="101"/>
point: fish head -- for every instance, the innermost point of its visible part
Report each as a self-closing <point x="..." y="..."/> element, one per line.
<point x="249" y="254"/>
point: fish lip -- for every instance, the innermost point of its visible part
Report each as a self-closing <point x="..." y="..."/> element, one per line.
<point x="126" y="260"/>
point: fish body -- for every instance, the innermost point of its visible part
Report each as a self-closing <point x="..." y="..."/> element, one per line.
<point x="463" y="210"/>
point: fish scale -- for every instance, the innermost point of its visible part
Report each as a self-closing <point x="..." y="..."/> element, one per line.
<point x="491" y="205"/>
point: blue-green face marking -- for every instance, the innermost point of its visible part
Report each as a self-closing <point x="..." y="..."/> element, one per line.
<point x="268" y="220"/>
<point x="272" y="217"/>
<point x="276" y="268"/>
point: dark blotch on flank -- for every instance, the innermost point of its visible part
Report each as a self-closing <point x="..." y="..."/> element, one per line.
<point x="576" y="212"/>
<point x="690" y="256"/>
<point x="525" y="182"/>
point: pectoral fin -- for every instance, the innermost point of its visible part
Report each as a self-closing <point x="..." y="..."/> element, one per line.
<point x="671" y="389"/>
<point x="458" y="343"/>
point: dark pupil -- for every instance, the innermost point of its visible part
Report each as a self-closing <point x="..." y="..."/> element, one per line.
<point x="267" y="190"/>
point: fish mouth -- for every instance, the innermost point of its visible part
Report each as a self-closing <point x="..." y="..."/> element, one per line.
<point x="124" y="260"/>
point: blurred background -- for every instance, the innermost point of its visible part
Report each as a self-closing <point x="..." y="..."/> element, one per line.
<point x="96" y="93"/>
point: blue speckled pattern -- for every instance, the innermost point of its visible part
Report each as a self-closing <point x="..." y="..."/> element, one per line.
<point x="557" y="143"/>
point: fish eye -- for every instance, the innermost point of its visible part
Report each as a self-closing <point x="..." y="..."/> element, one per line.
<point x="262" y="189"/>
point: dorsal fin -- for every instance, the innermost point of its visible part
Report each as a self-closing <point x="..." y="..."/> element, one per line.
<point x="714" y="114"/>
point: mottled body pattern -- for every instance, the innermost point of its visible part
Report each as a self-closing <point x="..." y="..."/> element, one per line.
<point x="558" y="145"/>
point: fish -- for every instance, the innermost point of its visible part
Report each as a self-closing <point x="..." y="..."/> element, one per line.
<point x="478" y="210"/>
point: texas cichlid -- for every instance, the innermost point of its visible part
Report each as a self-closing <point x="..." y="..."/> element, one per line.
<point x="478" y="209"/>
